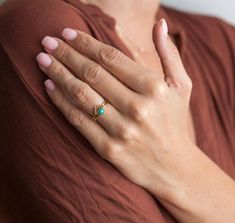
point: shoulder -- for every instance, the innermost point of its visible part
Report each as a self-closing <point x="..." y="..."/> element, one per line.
<point x="23" y="24"/>
<point x="26" y="19"/>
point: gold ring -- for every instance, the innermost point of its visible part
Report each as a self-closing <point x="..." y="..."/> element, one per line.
<point x="99" y="110"/>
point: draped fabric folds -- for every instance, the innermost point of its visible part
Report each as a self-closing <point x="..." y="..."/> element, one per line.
<point x="48" y="170"/>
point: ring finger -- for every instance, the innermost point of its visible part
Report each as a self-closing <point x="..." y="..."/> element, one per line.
<point x="92" y="73"/>
<point x="81" y="93"/>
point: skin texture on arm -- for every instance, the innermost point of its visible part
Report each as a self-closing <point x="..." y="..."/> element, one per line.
<point x="202" y="196"/>
<point x="167" y="157"/>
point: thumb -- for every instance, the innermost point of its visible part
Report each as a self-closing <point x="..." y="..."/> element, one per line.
<point x="175" y="74"/>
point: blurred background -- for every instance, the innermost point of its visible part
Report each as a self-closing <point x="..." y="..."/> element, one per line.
<point x="224" y="9"/>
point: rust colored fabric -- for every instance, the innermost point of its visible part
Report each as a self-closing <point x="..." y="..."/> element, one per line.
<point x="48" y="170"/>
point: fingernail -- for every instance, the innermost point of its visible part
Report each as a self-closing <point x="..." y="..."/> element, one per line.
<point x="69" y="34"/>
<point x="49" y="85"/>
<point x="50" y="43"/>
<point x="164" y="27"/>
<point x="44" y="60"/>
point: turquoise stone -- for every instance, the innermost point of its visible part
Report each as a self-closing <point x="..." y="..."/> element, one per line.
<point x="100" y="111"/>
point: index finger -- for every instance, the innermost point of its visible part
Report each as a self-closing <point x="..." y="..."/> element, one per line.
<point x="122" y="67"/>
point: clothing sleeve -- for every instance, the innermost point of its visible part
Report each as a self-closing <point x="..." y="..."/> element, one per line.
<point x="49" y="172"/>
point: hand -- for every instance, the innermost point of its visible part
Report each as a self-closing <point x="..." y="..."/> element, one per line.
<point x="143" y="132"/>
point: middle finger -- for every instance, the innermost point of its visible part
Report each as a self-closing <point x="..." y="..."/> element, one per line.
<point x="90" y="72"/>
<point x="81" y="94"/>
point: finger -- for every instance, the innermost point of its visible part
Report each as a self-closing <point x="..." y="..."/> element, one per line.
<point x="122" y="67"/>
<point x="175" y="74"/>
<point x="81" y="93"/>
<point x="90" y="72"/>
<point x="91" y="130"/>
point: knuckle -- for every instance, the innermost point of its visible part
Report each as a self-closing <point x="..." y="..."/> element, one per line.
<point x="82" y="43"/>
<point x="187" y="85"/>
<point x="109" y="55"/>
<point x="65" y="53"/>
<point x="112" y="150"/>
<point x="160" y="92"/>
<point x="92" y="74"/>
<point x="61" y="103"/>
<point x="138" y="111"/>
<point x="127" y="132"/>
<point x="76" y="117"/>
<point x="156" y="88"/>
<point x="56" y="71"/>
<point x="80" y="93"/>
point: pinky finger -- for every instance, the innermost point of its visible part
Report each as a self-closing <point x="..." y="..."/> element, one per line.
<point x="90" y="129"/>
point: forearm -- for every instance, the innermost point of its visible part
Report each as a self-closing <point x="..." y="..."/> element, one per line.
<point x="203" y="193"/>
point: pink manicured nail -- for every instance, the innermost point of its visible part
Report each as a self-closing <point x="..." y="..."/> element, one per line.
<point x="164" y="27"/>
<point x="69" y="34"/>
<point x="50" y="43"/>
<point x="44" y="60"/>
<point x="49" y="85"/>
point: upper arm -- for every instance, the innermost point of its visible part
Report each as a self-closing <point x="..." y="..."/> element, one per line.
<point x="23" y="24"/>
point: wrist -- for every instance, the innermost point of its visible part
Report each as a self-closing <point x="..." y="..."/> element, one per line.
<point x="198" y="190"/>
<point x="179" y="165"/>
